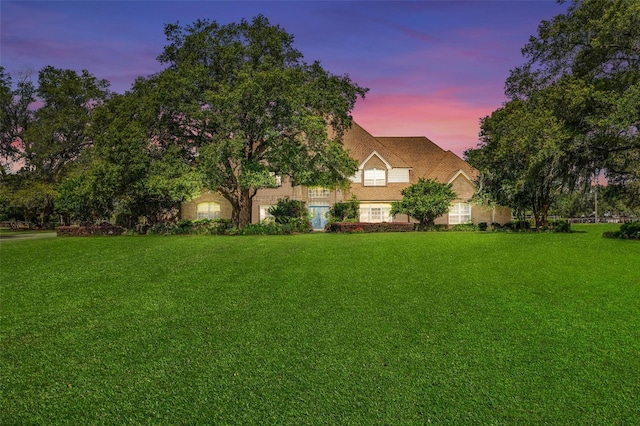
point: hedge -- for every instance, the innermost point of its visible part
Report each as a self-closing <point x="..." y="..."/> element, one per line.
<point x="85" y="231"/>
<point x="370" y="227"/>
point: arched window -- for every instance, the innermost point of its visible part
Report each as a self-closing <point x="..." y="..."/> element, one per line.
<point x="208" y="210"/>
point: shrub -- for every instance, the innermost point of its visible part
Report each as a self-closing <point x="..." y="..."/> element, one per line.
<point x="105" y="229"/>
<point x="287" y="208"/>
<point x="351" y="227"/>
<point x="432" y="228"/>
<point x="292" y="212"/>
<point x="518" y="225"/>
<point x="267" y="228"/>
<point x="466" y="227"/>
<point x="560" y="226"/>
<point x="210" y="226"/>
<point x="345" y="211"/>
<point x="184" y="226"/>
<point x="163" y="228"/>
<point x="628" y="231"/>
<point x="482" y="226"/>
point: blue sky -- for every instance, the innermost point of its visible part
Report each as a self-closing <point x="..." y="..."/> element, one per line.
<point x="434" y="68"/>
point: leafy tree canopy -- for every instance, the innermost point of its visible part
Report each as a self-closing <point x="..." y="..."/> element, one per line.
<point x="15" y="117"/>
<point x="424" y="200"/>
<point x="246" y="107"/>
<point x="60" y="129"/>
<point x="574" y="109"/>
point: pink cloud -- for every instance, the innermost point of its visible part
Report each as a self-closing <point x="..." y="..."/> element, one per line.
<point x="450" y="122"/>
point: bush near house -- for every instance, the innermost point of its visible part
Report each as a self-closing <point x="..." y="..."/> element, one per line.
<point x="293" y="213"/>
<point x="345" y="211"/>
<point x="468" y="227"/>
<point x="351" y="227"/>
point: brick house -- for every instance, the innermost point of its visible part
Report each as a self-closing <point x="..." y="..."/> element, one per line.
<point x="386" y="165"/>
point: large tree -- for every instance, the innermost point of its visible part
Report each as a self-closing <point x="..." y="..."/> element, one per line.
<point x="591" y="55"/>
<point x="522" y="157"/>
<point x="574" y="110"/>
<point x="128" y="174"/>
<point x="246" y="107"/>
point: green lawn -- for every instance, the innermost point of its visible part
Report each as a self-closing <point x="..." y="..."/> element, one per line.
<point x="406" y="328"/>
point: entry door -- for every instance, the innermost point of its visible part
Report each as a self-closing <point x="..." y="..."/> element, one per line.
<point x="318" y="215"/>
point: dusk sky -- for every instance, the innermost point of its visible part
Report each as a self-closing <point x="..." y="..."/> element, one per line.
<point x="434" y="68"/>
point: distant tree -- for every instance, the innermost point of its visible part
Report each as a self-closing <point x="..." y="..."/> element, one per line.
<point x="425" y="200"/>
<point x="574" y="110"/>
<point x="246" y="107"/>
<point x="15" y="117"/>
<point x="60" y="130"/>
<point x="35" y="199"/>
<point x="43" y="143"/>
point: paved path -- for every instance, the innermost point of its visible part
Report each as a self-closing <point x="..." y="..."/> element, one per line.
<point x="26" y="236"/>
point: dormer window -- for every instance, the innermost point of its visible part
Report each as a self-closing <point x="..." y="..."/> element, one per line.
<point x="375" y="177"/>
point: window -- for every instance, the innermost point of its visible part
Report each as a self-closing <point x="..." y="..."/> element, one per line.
<point x="208" y="211"/>
<point x="460" y="213"/>
<point x="375" y="213"/>
<point x="264" y="212"/>
<point x="278" y="179"/>
<point x="318" y="192"/>
<point x="375" y="177"/>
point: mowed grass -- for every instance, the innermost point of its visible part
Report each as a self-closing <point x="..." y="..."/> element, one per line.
<point x="416" y="328"/>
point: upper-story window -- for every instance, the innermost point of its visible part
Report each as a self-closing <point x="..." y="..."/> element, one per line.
<point x="375" y="177"/>
<point x="318" y="192"/>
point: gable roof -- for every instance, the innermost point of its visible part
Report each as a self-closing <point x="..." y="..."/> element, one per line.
<point x="360" y="144"/>
<point x="418" y="153"/>
<point x="449" y="166"/>
<point x="427" y="159"/>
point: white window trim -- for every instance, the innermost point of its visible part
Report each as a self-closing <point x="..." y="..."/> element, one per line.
<point x="458" y="173"/>
<point x="460" y="213"/>
<point x="386" y="163"/>
<point x="264" y="212"/>
<point x="379" y="177"/>
<point x="209" y="213"/>
<point x="318" y="192"/>
<point x="375" y="213"/>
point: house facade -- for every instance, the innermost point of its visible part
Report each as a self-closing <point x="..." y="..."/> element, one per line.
<point x="386" y="165"/>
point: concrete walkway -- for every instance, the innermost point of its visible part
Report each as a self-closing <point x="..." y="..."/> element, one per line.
<point x="26" y="235"/>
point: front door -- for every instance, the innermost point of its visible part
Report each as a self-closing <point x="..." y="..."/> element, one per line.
<point x="318" y="216"/>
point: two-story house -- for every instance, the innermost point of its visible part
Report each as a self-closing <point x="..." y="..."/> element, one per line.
<point x="386" y="165"/>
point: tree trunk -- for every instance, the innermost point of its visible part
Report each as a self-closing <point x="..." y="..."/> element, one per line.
<point x="242" y="207"/>
<point x="540" y="214"/>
